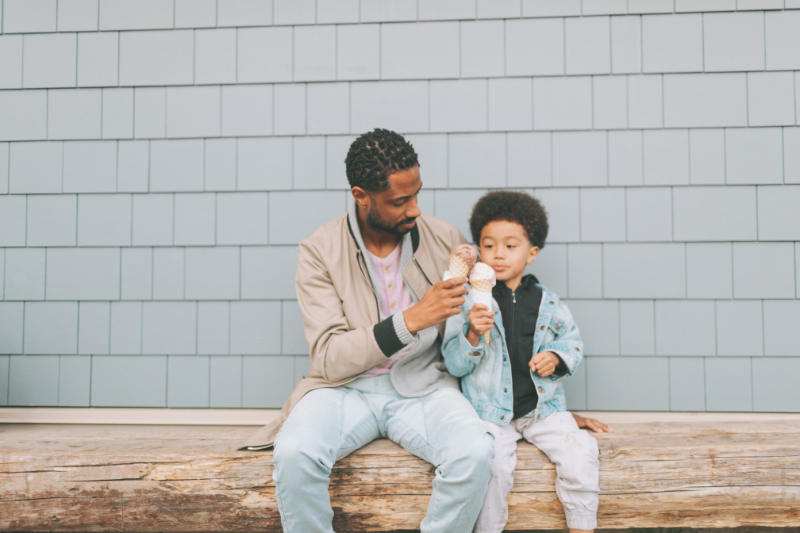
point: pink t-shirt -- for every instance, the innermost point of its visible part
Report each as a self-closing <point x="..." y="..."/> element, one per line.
<point x="394" y="297"/>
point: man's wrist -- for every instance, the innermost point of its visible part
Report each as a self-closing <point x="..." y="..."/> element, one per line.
<point x="408" y="318"/>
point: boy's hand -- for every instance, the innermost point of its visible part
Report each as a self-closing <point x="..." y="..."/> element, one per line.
<point x="591" y="423"/>
<point x="544" y="363"/>
<point x="481" y="320"/>
<point x="441" y="301"/>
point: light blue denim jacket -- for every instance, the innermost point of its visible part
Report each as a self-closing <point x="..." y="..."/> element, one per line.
<point x="485" y="371"/>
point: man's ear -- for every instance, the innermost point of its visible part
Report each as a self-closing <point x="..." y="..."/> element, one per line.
<point x="533" y="254"/>
<point x="361" y="197"/>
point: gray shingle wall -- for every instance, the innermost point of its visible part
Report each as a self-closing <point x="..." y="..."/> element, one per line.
<point x="161" y="159"/>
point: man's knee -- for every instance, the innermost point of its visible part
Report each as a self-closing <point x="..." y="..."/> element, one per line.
<point x="477" y="453"/>
<point x="295" y="455"/>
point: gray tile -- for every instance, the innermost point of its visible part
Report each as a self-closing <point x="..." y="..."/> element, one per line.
<point x="242" y="218"/>
<point x="588" y="45"/>
<point x="358" y="49"/>
<point x="754" y="155"/>
<point x="545" y="37"/>
<point x="336" y="148"/>
<point x="25" y="274"/>
<point x="126" y="328"/>
<point x="308" y="163"/>
<point x="77" y="15"/>
<point x="150" y="113"/>
<point x="268" y="272"/>
<point x="644" y="270"/>
<point x="169" y="270"/>
<point x="610" y="101"/>
<point x="25" y="115"/>
<point x="11" y="316"/>
<point x="598" y="321"/>
<point x="148" y="14"/>
<point x="672" y="43"/>
<point x="450" y="206"/>
<point x="714" y="213"/>
<point x="51" y="328"/>
<point x="666" y="157"/>
<point x="4" y="368"/>
<point x="255" y="328"/>
<point x="49" y="60"/>
<point x="214" y="55"/>
<point x="293" y="335"/>
<point x="775" y="384"/>
<point x="649" y="214"/>
<point x="729" y="384"/>
<point x="266" y="380"/>
<point x="265" y="164"/>
<point x="33" y="380"/>
<point x="212" y="273"/>
<point x="575" y="389"/>
<point x="290" y="107"/>
<point x="263" y="54"/>
<point x="781" y="334"/>
<point x="550" y="268"/>
<point x="458" y="105"/>
<point x="563" y="210"/>
<point x="482" y="48"/>
<point x="419" y="51"/>
<point x="35" y="167"/>
<point x="783" y="52"/>
<point x="380" y="11"/>
<point x="707" y="156"/>
<point x="543" y="8"/>
<point x="431" y="152"/>
<point x="733" y="41"/>
<point x="176" y="165"/>
<point x="585" y="271"/>
<point x="90" y="166"/>
<point x="195" y="219"/>
<point x="156" y="57"/>
<point x="129" y="381"/>
<point x="152" y="219"/>
<point x="98" y="55"/>
<point x="332" y="11"/>
<point x="213" y="321"/>
<point x="226" y="381"/>
<point x="502" y="9"/>
<point x="603" y="215"/>
<point x="709" y="270"/>
<point x="169" y="327"/>
<point x="637" y="327"/>
<point x="646" y="383"/>
<point x="626" y="45"/>
<point x="687" y="390"/>
<point x="4" y="164"/>
<point x="751" y="260"/>
<point x="26" y="16"/>
<point x="94" y="327"/>
<point x="309" y="210"/>
<point x="705" y="101"/>
<point x="685" y="328"/>
<point x="477" y="160"/>
<point x="770" y="99"/>
<point x="104" y="219"/>
<point x="136" y="281"/>
<point x="12" y="220"/>
<point x="562" y="103"/>
<point x="409" y="111"/>
<point x="778" y="216"/>
<point x="52" y="220"/>
<point x="580" y="159"/>
<point x="740" y="328"/>
<point x="195" y="13"/>
<point x="433" y="10"/>
<point x="645" y="101"/>
<point x="74" y="380"/>
<point x="328" y="108"/>
<point x="243" y="13"/>
<point x="529" y="159"/>
<point x="11" y="57"/>
<point x="83" y="273"/>
<point x="188" y="381"/>
<point x="247" y="110"/>
<point x="193" y="112"/>
<point x="74" y="114"/>
<point x="791" y="155"/>
<point x="220" y="165"/>
<point x="133" y="166"/>
<point x="314" y="52"/>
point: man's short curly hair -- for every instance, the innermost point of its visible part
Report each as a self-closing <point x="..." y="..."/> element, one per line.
<point x="376" y="155"/>
<point x="511" y="206"/>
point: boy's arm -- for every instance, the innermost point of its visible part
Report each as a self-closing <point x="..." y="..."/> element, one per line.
<point x="567" y="344"/>
<point x="460" y="357"/>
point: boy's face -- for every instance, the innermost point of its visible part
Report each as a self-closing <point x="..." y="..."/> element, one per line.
<point x="505" y="247"/>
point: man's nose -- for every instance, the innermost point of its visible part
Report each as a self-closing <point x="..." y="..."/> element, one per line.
<point x="413" y="209"/>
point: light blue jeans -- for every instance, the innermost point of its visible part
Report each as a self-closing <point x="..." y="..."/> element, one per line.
<point x="329" y="424"/>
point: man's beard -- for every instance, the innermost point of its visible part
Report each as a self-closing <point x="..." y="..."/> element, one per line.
<point x="376" y="223"/>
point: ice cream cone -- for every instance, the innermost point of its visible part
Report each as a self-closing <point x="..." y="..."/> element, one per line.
<point x="458" y="267"/>
<point x="484" y="286"/>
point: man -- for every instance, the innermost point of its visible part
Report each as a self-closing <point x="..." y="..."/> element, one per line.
<point x="369" y="286"/>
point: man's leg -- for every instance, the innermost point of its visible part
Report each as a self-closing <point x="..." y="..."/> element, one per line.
<point x="574" y="453"/>
<point x="494" y="512"/>
<point x="326" y="425"/>
<point x="443" y="429"/>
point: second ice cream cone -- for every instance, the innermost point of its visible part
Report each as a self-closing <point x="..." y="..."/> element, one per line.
<point x="484" y="286"/>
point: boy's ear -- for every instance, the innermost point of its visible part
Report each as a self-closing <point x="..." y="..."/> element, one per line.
<point x="534" y="252"/>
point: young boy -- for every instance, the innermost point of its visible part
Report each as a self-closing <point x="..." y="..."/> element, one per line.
<point x="514" y="381"/>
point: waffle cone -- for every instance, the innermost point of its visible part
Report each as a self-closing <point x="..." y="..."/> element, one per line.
<point x="483" y="285"/>
<point x="458" y="267"/>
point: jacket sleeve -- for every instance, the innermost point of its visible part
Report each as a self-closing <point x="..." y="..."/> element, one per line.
<point x="460" y="357"/>
<point x="337" y="351"/>
<point x="566" y="344"/>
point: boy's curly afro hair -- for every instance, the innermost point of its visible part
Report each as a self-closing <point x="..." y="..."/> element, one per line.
<point x="511" y="206"/>
<point x="376" y="155"/>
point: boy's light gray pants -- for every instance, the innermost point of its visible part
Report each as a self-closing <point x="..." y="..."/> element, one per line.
<point x="574" y="453"/>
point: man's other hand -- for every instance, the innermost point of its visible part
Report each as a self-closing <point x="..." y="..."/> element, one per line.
<point x="441" y="301"/>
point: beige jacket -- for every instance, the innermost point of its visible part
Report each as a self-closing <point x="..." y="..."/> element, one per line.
<point x="341" y="318"/>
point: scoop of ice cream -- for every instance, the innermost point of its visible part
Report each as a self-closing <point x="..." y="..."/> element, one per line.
<point x="467" y="253"/>
<point x="482" y="271"/>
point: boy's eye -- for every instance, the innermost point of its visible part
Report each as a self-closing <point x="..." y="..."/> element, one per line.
<point x="510" y="246"/>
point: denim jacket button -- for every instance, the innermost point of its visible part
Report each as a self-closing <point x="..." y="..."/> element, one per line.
<point x="541" y="327"/>
<point x="505" y="390"/>
<point x="502" y="417"/>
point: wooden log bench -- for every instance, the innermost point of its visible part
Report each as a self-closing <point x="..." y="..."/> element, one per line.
<point x="656" y="470"/>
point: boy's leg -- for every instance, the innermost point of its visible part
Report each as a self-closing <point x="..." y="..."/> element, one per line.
<point x="574" y="453"/>
<point x="494" y="512"/>
<point x="326" y="425"/>
<point x="444" y="429"/>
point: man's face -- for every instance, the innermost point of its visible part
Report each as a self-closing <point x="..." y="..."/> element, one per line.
<point x="395" y="210"/>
